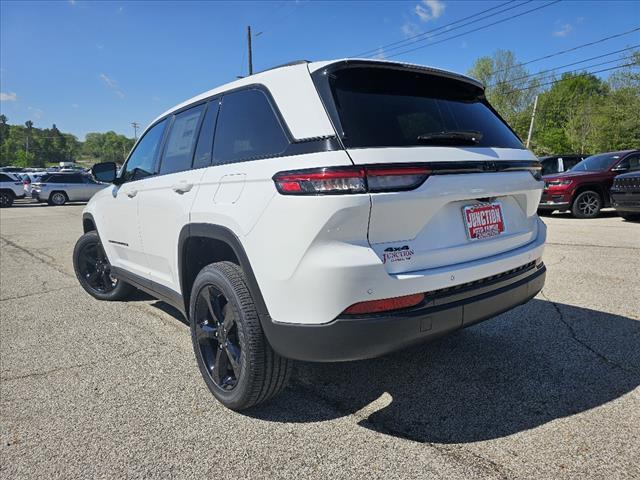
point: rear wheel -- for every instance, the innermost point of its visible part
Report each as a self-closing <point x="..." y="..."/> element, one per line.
<point x="587" y="204"/>
<point x="93" y="270"/>
<point x="6" y="199"/>
<point x="235" y="359"/>
<point x="58" y="198"/>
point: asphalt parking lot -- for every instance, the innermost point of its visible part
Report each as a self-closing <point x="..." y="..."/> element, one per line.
<point x="109" y="390"/>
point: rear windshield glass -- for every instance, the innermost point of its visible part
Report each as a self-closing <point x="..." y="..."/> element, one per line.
<point x="596" y="163"/>
<point x="381" y="107"/>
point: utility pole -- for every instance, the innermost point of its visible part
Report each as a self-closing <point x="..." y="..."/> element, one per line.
<point x="135" y="126"/>
<point x="533" y="117"/>
<point x="250" y="52"/>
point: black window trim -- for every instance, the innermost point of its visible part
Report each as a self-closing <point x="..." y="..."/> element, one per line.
<point x="157" y="155"/>
<point x="296" y="147"/>
<point x="165" y="139"/>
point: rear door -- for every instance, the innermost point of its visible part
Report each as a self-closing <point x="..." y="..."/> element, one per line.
<point x="165" y="201"/>
<point x="480" y="173"/>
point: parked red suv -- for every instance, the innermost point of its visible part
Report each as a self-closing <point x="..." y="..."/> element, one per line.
<point x="584" y="189"/>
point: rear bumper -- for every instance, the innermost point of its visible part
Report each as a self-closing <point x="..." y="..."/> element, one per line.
<point x="355" y="338"/>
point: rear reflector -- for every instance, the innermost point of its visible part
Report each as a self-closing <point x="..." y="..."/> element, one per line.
<point x="385" y="305"/>
<point x="344" y="180"/>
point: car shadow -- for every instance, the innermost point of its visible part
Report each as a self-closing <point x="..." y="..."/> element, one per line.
<point x="604" y="213"/>
<point x="540" y="362"/>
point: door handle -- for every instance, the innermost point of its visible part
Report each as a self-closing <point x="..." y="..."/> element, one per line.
<point x="132" y="193"/>
<point x="182" y="187"/>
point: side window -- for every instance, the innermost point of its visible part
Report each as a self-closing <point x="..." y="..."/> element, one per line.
<point x="4" y="178"/>
<point x="247" y="128"/>
<point x="74" y="179"/>
<point x="204" y="148"/>
<point x="633" y="162"/>
<point x="181" y="141"/>
<point x="141" y="162"/>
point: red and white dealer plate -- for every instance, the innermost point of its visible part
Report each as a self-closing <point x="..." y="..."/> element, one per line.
<point x="483" y="221"/>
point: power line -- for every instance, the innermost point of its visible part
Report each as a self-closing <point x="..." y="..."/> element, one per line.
<point x="573" y="49"/>
<point x="476" y="29"/>
<point x="408" y="39"/>
<point x="579" y="75"/>
<point x="568" y="65"/>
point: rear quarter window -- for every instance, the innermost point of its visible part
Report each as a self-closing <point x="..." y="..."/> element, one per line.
<point x="247" y="128"/>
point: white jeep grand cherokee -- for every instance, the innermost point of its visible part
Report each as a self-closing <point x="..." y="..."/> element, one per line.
<point x="321" y="211"/>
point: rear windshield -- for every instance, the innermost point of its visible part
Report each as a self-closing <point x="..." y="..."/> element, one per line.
<point x="382" y="107"/>
<point x="596" y="163"/>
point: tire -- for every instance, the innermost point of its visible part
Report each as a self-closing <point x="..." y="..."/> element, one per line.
<point x="233" y="355"/>
<point x="6" y="199"/>
<point x="58" y="198"/>
<point x="587" y="204"/>
<point x="93" y="270"/>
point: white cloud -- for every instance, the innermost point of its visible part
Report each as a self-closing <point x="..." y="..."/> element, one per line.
<point x="464" y="44"/>
<point x="72" y="2"/>
<point x="120" y="10"/>
<point x="36" y="112"/>
<point x="74" y="105"/>
<point x="430" y="9"/>
<point x="563" y="31"/>
<point x="579" y="20"/>
<point x="8" y="97"/>
<point x="112" y="84"/>
<point x="410" y="29"/>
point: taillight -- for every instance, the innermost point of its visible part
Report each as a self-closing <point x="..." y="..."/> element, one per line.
<point x="343" y="180"/>
<point x="385" y="305"/>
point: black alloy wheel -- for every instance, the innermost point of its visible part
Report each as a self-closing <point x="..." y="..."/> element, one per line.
<point x="216" y="332"/>
<point x="94" y="267"/>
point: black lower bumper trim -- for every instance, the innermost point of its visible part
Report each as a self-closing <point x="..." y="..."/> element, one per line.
<point x="347" y="339"/>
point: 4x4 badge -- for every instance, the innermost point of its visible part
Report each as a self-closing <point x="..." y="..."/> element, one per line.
<point x="397" y="254"/>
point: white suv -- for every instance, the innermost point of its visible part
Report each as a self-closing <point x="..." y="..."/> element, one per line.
<point x="322" y="211"/>
<point x="10" y="189"/>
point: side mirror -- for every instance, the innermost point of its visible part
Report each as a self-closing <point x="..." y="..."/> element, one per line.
<point x="104" y="172"/>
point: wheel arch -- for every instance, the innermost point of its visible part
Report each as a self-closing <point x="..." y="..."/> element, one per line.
<point x="230" y="248"/>
<point x="594" y="187"/>
<point x="88" y="223"/>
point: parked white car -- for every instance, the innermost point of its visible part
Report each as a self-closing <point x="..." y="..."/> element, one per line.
<point x="60" y="188"/>
<point x="322" y="211"/>
<point x="11" y="188"/>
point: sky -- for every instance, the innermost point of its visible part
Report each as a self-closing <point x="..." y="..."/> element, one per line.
<point x="94" y="66"/>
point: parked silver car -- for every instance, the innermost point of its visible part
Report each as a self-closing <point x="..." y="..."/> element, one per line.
<point x="60" y="188"/>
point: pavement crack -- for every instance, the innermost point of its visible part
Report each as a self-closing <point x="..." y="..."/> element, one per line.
<point x="35" y="294"/>
<point x="73" y="367"/>
<point x="619" y="247"/>
<point x="49" y="263"/>
<point x="579" y="341"/>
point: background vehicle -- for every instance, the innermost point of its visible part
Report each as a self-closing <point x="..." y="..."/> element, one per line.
<point x="324" y="212"/>
<point x="60" y="188"/>
<point x="11" y="188"/>
<point x="584" y="190"/>
<point x="625" y="195"/>
<point x="559" y="163"/>
<point x="29" y="178"/>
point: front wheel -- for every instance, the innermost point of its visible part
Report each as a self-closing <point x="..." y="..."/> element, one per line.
<point x="587" y="204"/>
<point x="93" y="270"/>
<point x="58" y="198"/>
<point x="6" y="199"/>
<point x="235" y="359"/>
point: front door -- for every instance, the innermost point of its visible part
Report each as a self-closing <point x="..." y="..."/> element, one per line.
<point x="120" y="231"/>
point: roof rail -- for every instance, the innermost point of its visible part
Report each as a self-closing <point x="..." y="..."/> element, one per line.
<point x="288" y="64"/>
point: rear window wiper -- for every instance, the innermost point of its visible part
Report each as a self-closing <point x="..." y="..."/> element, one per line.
<point x="452" y="137"/>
